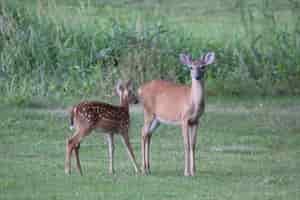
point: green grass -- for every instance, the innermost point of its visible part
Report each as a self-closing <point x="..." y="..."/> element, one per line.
<point x="247" y="149"/>
<point x="217" y="20"/>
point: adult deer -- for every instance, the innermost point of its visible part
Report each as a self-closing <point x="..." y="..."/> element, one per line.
<point x="90" y="115"/>
<point x="170" y="103"/>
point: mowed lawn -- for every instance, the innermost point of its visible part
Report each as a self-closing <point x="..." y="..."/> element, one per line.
<point x="247" y="149"/>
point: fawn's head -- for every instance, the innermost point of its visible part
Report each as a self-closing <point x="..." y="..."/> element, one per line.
<point x="125" y="92"/>
<point x="198" y="66"/>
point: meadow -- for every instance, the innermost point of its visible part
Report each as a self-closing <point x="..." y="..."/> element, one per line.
<point x="56" y="53"/>
<point x="246" y="149"/>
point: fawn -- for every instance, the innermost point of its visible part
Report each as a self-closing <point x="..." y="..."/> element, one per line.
<point x="110" y="119"/>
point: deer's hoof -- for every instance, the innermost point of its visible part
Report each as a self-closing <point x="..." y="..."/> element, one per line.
<point x="67" y="171"/>
<point x="111" y="172"/>
<point x="192" y="174"/>
<point x="138" y="171"/>
<point x="187" y="174"/>
<point x="146" y="172"/>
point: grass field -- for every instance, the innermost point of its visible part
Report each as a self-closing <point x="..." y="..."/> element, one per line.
<point x="247" y="149"/>
<point x="214" y="20"/>
<point x="55" y="53"/>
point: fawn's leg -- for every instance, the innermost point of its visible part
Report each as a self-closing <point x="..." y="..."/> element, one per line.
<point x="74" y="144"/>
<point x="70" y="145"/>
<point x="77" y="158"/>
<point x="111" y="148"/>
<point x="127" y="144"/>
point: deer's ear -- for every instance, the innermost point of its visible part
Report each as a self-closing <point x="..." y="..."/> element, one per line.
<point x="119" y="87"/>
<point x="208" y="59"/>
<point x="129" y="84"/>
<point x="185" y="59"/>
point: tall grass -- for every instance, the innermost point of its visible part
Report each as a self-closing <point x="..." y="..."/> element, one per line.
<point x="52" y="50"/>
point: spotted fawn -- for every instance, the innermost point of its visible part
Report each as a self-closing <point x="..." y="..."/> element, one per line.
<point x="110" y="119"/>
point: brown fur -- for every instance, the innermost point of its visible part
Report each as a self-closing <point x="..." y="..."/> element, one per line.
<point x="171" y="103"/>
<point x="90" y="115"/>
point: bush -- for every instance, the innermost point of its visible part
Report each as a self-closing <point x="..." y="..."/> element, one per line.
<point x="44" y="55"/>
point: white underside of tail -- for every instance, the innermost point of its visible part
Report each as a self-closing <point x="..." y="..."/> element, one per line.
<point x="71" y="128"/>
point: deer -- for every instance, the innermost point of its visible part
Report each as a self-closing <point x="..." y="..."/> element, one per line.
<point x="88" y="116"/>
<point x="166" y="102"/>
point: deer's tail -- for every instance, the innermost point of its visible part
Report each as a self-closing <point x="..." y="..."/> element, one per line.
<point x="72" y="113"/>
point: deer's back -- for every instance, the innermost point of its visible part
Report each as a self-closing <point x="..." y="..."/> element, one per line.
<point x="101" y="115"/>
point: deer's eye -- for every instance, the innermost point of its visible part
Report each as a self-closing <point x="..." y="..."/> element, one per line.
<point x="189" y="67"/>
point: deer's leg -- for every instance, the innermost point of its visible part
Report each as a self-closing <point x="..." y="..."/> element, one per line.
<point x="145" y="132"/>
<point x="68" y="157"/>
<point x="185" y="134"/>
<point x="77" y="158"/>
<point x="127" y="144"/>
<point x="70" y="145"/>
<point x="147" y="153"/>
<point x="154" y="124"/>
<point x="143" y="147"/>
<point x="146" y="137"/>
<point x="74" y="144"/>
<point x="193" y="140"/>
<point x="110" y="141"/>
<point x="149" y="126"/>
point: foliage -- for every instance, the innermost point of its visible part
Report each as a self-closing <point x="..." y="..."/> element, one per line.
<point x="48" y="49"/>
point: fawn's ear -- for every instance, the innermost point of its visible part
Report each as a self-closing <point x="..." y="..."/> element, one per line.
<point x="129" y="85"/>
<point x="119" y="87"/>
<point x="207" y="59"/>
<point x="185" y="59"/>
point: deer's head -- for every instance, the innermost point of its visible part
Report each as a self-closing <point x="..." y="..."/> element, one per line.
<point x="125" y="92"/>
<point x="197" y="67"/>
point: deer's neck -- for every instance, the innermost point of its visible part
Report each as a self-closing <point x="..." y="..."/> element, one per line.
<point x="124" y="103"/>
<point x="197" y="92"/>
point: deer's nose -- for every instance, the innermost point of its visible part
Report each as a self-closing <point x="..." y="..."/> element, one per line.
<point x="136" y="101"/>
<point x="198" y="78"/>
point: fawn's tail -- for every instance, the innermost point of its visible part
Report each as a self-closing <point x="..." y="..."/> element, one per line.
<point x="72" y="112"/>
